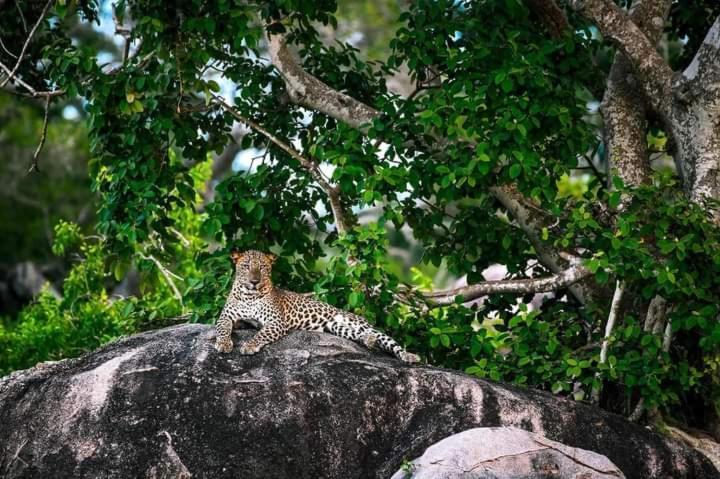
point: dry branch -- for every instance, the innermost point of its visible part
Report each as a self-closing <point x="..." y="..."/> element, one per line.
<point x="12" y="73"/>
<point x="36" y="155"/>
<point x="555" y="282"/>
<point x="612" y="317"/>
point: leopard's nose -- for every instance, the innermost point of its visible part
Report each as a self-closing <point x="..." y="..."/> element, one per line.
<point x="254" y="281"/>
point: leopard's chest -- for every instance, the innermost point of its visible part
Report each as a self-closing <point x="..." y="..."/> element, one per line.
<point x="256" y="312"/>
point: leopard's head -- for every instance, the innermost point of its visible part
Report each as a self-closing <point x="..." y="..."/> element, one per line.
<point x="252" y="271"/>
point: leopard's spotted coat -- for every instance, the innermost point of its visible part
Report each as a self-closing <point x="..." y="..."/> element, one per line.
<point x="254" y="299"/>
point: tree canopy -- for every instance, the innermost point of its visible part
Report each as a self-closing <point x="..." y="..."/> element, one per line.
<point x="574" y="143"/>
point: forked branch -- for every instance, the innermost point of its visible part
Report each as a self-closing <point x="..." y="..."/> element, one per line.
<point x="313" y="168"/>
<point x="652" y="71"/>
<point x="308" y="91"/>
<point x="12" y="73"/>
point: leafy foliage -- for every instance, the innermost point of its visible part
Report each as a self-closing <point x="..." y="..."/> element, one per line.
<point x="497" y="102"/>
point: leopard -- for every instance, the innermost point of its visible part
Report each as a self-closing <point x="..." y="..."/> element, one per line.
<point x="275" y="312"/>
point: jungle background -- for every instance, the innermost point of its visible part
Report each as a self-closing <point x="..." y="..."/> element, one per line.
<point x="176" y="138"/>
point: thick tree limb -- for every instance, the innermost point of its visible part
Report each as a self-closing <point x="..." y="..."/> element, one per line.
<point x="623" y="105"/>
<point x="655" y="321"/>
<point x="331" y="191"/>
<point x="652" y="71"/>
<point x="518" y="286"/>
<point x="306" y="90"/>
<point x="655" y="314"/>
<point x="697" y="115"/>
<point x="708" y="55"/>
<point x="345" y="108"/>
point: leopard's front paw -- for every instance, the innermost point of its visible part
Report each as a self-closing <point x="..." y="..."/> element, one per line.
<point x="249" y="349"/>
<point x="224" y="345"/>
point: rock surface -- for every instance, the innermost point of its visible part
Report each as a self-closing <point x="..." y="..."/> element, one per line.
<point x="493" y="452"/>
<point x="165" y="404"/>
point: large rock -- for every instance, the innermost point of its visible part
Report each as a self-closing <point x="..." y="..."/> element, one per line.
<point x="165" y="404"/>
<point x="506" y="452"/>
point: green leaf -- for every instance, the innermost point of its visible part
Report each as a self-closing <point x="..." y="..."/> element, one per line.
<point x="355" y="299"/>
<point x="213" y="86"/>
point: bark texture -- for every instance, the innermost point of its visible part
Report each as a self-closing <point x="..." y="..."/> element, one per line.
<point x="696" y="120"/>
<point x="688" y="103"/>
<point x="165" y="404"/>
<point x="306" y="90"/>
<point x="624" y="107"/>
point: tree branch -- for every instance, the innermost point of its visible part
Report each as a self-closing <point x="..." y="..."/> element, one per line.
<point x="167" y="274"/>
<point x="32" y="91"/>
<point x="22" y="16"/>
<point x="11" y="74"/>
<point x="612" y="317"/>
<point x="2" y="45"/>
<point x="330" y="190"/>
<point x="306" y="90"/>
<point x="36" y="155"/>
<point x="517" y="286"/>
<point x="706" y="59"/>
<point x="623" y="105"/>
<point x="652" y="71"/>
<point x="310" y="92"/>
<point x="528" y="217"/>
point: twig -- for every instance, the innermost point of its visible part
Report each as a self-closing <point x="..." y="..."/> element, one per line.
<point x="182" y="238"/>
<point x="27" y="42"/>
<point x="6" y="50"/>
<point x="22" y="17"/>
<point x="612" y="316"/>
<point x="124" y="32"/>
<point x="167" y="274"/>
<point x="33" y="92"/>
<point x="586" y="347"/>
<point x="36" y="155"/>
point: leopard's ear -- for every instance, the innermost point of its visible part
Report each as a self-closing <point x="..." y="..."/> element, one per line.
<point x="271" y="257"/>
<point x="237" y="256"/>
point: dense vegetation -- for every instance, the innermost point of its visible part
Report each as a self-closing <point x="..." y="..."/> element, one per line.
<point x="373" y="194"/>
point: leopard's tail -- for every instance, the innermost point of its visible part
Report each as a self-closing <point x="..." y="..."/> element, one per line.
<point x="355" y="328"/>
